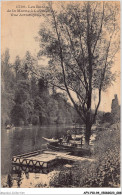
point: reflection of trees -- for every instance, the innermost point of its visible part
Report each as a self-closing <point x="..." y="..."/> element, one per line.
<point x="34" y="138"/>
<point x="27" y="175"/>
<point x="16" y="175"/>
<point x="17" y="142"/>
<point x="9" y="181"/>
<point x="19" y="182"/>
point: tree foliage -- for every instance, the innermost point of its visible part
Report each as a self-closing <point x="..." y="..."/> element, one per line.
<point x="7" y="87"/>
<point x="25" y="95"/>
<point x="81" y="41"/>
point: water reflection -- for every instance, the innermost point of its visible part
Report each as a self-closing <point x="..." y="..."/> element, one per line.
<point x="23" y="140"/>
<point x="26" y="177"/>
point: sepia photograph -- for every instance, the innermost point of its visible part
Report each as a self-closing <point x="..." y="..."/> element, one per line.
<point x="60" y="94"/>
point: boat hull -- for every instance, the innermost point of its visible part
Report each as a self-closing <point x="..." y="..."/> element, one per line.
<point x="72" y="149"/>
<point x="60" y="148"/>
<point x="51" y="140"/>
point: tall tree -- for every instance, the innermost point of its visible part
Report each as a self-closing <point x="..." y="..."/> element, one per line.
<point x="81" y="41"/>
<point x="7" y="87"/>
<point x="17" y="67"/>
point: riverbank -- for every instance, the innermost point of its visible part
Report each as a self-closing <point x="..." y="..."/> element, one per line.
<point x="104" y="172"/>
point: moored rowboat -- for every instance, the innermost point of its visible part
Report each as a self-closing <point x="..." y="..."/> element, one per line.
<point x="73" y="146"/>
<point x="74" y="150"/>
<point x="51" y="140"/>
<point x="63" y="147"/>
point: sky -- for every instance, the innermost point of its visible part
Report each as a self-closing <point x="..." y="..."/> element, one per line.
<point x="18" y="34"/>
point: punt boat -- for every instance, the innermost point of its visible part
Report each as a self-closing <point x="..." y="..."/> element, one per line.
<point x="73" y="146"/>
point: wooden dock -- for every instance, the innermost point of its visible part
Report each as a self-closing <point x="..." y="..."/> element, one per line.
<point x="45" y="159"/>
<point x="37" y="159"/>
<point x="67" y="156"/>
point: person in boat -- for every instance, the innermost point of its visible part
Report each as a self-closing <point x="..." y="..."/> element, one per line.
<point x="74" y="134"/>
<point x="68" y="137"/>
<point x="9" y="126"/>
<point x="81" y="140"/>
<point x="60" y="140"/>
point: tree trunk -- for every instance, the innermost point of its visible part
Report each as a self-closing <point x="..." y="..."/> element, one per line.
<point x="87" y="134"/>
<point x="88" y="130"/>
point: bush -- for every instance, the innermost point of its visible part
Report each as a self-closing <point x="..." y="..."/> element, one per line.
<point x="35" y="120"/>
<point x="62" y="178"/>
<point x="107" y="153"/>
<point x="104" y="172"/>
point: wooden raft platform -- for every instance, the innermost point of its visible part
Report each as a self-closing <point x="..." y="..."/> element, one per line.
<point x="37" y="159"/>
<point x="67" y="156"/>
<point x="45" y="159"/>
<point x="40" y="159"/>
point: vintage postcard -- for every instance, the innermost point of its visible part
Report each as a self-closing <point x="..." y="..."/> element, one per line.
<point x="60" y="96"/>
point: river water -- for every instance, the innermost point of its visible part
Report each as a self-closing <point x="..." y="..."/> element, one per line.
<point x="23" y="140"/>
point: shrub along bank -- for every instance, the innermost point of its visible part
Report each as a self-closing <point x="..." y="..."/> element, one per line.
<point x="103" y="172"/>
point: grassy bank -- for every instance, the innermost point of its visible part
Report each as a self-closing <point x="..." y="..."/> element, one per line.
<point x="104" y="172"/>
